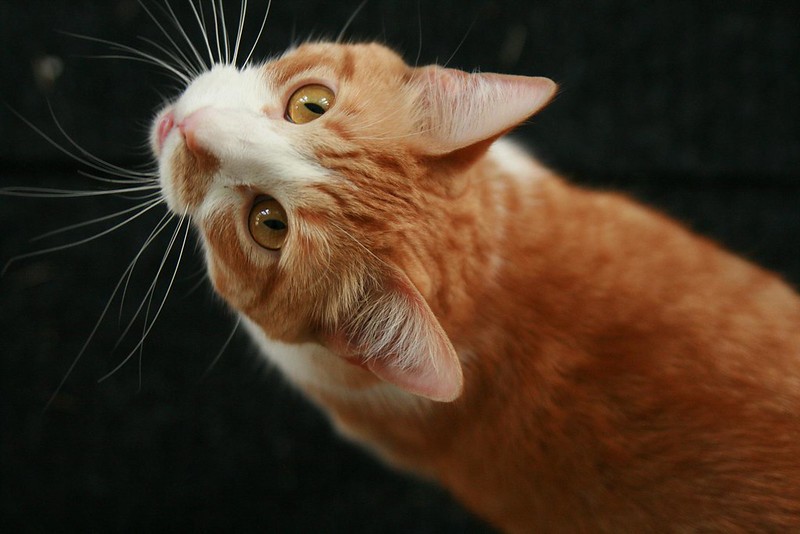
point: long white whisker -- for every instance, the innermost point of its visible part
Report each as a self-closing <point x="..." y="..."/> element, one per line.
<point x="151" y="288"/>
<point x="99" y="219"/>
<point x="190" y="68"/>
<point x="258" y="36"/>
<point x="224" y="32"/>
<point x="350" y="21"/>
<point x="242" y="14"/>
<point x="125" y="181"/>
<point x="46" y="192"/>
<point x="163" y="223"/>
<point x="201" y="22"/>
<point x="461" y="43"/>
<point x="76" y="243"/>
<point x="222" y="350"/>
<point x="176" y="75"/>
<point x="176" y="21"/>
<point x="105" y="166"/>
<point x="161" y="305"/>
<point x="216" y="31"/>
<point x="178" y="56"/>
<point x="101" y="164"/>
<point x="93" y="332"/>
<point x="419" y="25"/>
<point x="187" y="63"/>
<point x="137" y="54"/>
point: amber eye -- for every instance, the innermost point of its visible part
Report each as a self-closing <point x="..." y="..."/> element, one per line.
<point x="268" y="223"/>
<point x="308" y="103"/>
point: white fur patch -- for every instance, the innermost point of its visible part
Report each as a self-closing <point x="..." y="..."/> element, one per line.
<point x="254" y="148"/>
<point x="301" y="364"/>
<point x="516" y="161"/>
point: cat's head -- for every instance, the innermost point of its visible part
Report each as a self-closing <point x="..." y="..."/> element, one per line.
<point x="316" y="179"/>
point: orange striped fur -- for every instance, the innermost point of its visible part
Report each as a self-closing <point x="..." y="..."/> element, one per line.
<point x="561" y="360"/>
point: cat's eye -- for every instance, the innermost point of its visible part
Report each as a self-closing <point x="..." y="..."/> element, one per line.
<point x="308" y="103"/>
<point x="268" y="223"/>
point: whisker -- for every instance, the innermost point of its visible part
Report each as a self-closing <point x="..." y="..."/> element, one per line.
<point x="350" y="21"/>
<point x="47" y="192"/>
<point x="94" y="330"/>
<point x="163" y="223"/>
<point x="187" y="63"/>
<point x="101" y="164"/>
<point x="216" y="31"/>
<point x="461" y="43"/>
<point x="176" y="21"/>
<point x="258" y="36"/>
<point x="190" y="68"/>
<point x="222" y="350"/>
<point x="224" y="32"/>
<point x="201" y="22"/>
<point x="76" y="243"/>
<point x="127" y="181"/>
<point x="151" y="288"/>
<point x="176" y="75"/>
<point x="98" y="219"/>
<point x="242" y="14"/>
<point x="161" y="305"/>
<point x="137" y="55"/>
<point x="200" y="272"/>
<point x="419" y="25"/>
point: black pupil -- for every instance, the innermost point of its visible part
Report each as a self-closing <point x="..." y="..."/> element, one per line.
<point x="274" y="224"/>
<point x="314" y="108"/>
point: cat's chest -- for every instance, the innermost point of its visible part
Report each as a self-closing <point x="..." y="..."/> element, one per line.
<point x="299" y="362"/>
<point x="323" y="374"/>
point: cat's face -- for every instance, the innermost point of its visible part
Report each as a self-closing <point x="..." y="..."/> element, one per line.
<point x="318" y="181"/>
<point x="234" y="144"/>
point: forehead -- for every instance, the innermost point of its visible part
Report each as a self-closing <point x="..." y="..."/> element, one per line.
<point x="338" y="62"/>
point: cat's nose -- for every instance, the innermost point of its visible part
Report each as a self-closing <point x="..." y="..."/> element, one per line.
<point x="188" y="128"/>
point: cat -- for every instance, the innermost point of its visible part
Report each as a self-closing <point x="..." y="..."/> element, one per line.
<point x="559" y="359"/>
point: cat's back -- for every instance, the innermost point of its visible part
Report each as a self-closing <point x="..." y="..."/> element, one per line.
<point x="664" y="370"/>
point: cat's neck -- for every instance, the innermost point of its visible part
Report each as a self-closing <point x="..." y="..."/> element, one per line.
<point x="495" y="192"/>
<point x="456" y="281"/>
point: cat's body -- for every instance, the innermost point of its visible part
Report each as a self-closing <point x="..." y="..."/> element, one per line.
<point x="559" y="359"/>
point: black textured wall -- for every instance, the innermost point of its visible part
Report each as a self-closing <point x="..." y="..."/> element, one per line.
<point x="666" y="86"/>
<point x="690" y="105"/>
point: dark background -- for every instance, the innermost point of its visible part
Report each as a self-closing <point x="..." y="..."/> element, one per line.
<point x="691" y="106"/>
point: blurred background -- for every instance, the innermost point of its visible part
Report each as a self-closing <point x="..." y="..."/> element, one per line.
<point x="691" y="106"/>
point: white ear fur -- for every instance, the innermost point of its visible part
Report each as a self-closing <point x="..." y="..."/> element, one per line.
<point x="397" y="337"/>
<point x="460" y="109"/>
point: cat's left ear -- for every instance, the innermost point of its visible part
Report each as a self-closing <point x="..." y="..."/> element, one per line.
<point x="459" y="109"/>
<point x="394" y="334"/>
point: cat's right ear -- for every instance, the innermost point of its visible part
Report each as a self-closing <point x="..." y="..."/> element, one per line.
<point x="458" y="109"/>
<point x="395" y="335"/>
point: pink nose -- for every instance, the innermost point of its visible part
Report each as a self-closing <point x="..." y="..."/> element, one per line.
<point x="188" y="127"/>
<point x="165" y="126"/>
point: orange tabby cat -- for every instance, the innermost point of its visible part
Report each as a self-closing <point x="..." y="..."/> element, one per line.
<point x="559" y="359"/>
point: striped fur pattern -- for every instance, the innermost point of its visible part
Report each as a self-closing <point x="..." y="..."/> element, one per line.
<point x="561" y="360"/>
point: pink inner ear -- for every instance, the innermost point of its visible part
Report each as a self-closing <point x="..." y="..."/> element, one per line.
<point x="462" y="109"/>
<point x="396" y="336"/>
<point x="440" y="379"/>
